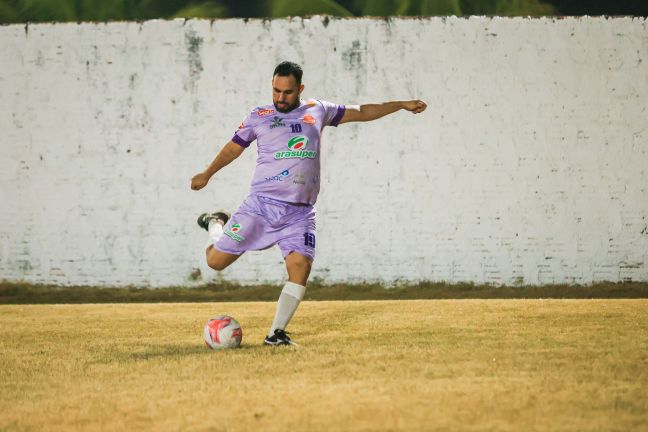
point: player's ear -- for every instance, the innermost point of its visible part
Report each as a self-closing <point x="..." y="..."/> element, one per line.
<point x="301" y="88"/>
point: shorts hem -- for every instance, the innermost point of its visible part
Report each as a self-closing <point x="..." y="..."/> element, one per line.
<point x="287" y="252"/>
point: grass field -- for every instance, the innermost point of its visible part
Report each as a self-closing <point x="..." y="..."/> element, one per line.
<point x="363" y="365"/>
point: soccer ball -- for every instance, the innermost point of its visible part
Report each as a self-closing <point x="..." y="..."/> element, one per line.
<point x="222" y="332"/>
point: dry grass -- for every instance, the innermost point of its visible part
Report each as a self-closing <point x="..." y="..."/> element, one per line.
<point x="389" y="365"/>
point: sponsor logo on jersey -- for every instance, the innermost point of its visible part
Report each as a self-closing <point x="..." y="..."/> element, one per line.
<point x="299" y="179"/>
<point x="277" y="122"/>
<point x="298" y="142"/>
<point x="309" y="119"/>
<point x="233" y="232"/>
<point x="265" y="112"/>
<point x="311" y="102"/>
<point x="279" y="177"/>
<point x="296" y="147"/>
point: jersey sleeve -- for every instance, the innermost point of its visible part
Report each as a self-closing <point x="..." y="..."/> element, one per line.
<point x="245" y="133"/>
<point x="332" y="113"/>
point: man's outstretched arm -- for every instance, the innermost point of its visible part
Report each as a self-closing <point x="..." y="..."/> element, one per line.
<point x="370" y="112"/>
<point x="227" y="154"/>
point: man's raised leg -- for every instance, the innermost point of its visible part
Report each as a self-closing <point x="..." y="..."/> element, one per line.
<point x="213" y="223"/>
<point x="219" y="260"/>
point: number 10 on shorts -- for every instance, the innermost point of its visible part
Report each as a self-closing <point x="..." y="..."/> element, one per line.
<point x="309" y="239"/>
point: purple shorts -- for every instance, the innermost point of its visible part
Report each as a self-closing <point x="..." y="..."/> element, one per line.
<point x="262" y="222"/>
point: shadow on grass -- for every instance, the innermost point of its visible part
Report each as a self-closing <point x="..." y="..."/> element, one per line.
<point x="23" y="293"/>
<point x="164" y="351"/>
<point x="170" y="351"/>
<point x="153" y="352"/>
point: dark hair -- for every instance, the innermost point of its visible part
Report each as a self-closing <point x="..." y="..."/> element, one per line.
<point x="287" y="68"/>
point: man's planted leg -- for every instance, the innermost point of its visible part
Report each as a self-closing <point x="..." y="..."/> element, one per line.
<point x="298" y="267"/>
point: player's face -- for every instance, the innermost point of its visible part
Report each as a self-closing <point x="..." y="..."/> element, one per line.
<point x="285" y="93"/>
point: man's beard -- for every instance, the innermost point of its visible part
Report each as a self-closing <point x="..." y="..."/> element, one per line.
<point x="288" y="108"/>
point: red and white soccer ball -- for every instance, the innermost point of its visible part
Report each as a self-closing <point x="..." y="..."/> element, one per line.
<point x="222" y="332"/>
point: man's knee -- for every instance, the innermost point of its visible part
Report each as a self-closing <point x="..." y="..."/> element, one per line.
<point x="216" y="264"/>
<point x="298" y="261"/>
<point x="218" y="260"/>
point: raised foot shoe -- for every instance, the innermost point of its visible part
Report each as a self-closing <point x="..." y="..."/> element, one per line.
<point x="205" y="218"/>
<point x="278" y="338"/>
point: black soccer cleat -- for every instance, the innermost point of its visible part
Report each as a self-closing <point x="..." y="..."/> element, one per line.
<point x="278" y="338"/>
<point x="205" y="218"/>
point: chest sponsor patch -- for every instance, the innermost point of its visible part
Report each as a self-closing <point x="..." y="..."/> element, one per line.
<point x="299" y="179"/>
<point x="296" y="149"/>
<point x="265" y="112"/>
<point x="309" y="119"/>
<point x="279" y="177"/>
<point x="276" y="122"/>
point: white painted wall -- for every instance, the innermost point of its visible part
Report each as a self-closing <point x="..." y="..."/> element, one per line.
<point x="530" y="164"/>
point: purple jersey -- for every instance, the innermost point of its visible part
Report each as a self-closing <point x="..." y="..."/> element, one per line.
<point x="288" y="162"/>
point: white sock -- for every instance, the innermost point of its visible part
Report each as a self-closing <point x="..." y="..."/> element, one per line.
<point x="291" y="295"/>
<point x="215" y="229"/>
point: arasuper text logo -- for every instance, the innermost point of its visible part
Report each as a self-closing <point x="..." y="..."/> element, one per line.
<point x="296" y="149"/>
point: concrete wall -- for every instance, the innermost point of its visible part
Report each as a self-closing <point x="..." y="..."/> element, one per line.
<point x="530" y="164"/>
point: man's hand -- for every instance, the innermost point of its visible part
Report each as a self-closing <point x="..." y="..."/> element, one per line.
<point x="199" y="181"/>
<point x="415" y="106"/>
<point x="228" y="153"/>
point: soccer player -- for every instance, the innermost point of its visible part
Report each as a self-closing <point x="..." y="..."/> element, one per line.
<point x="279" y="209"/>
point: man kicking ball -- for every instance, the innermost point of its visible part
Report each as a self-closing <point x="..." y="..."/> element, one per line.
<point x="279" y="209"/>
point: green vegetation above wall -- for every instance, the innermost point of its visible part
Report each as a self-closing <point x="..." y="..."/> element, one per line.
<point x="19" y="11"/>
